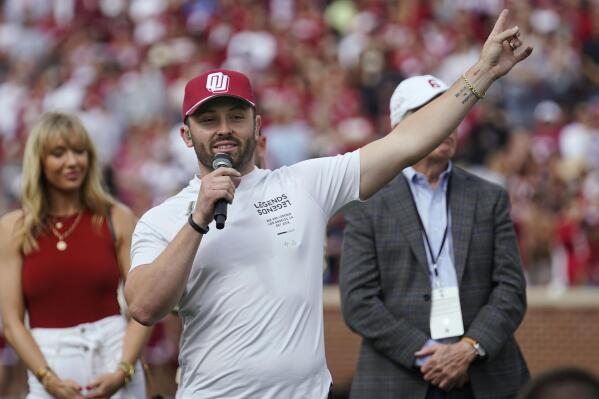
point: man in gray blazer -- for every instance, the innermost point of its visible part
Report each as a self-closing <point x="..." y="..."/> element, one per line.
<point x="431" y="278"/>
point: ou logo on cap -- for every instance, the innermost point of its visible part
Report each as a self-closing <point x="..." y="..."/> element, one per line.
<point x="434" y="84"/>
<point x="217" y="82"/>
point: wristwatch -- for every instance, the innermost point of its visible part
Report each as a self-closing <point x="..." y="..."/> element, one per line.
<point x="478" y="349"/>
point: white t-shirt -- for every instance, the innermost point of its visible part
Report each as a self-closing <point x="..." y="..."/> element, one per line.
<point x="252" y="308"/>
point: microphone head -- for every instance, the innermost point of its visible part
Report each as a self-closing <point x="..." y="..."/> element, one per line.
<point x="222" y="160"/>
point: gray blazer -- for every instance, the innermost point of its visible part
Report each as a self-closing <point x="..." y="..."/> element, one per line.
<point x="386" y="289"/>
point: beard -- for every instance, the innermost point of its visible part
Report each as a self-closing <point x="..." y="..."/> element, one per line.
<point x="241" y="158"/>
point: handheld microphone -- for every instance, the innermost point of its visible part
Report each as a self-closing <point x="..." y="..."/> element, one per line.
<point x="220" y="207"/>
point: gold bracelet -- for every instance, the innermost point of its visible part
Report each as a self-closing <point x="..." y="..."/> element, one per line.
<point x="472" y="89"/>
<point x="128" y="369"/>
<point x="40" y="374"/>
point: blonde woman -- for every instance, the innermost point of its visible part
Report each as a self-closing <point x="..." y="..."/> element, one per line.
<point x="63" y="256"/>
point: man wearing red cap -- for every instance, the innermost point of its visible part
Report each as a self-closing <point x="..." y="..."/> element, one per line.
<point x="250" y="295"/>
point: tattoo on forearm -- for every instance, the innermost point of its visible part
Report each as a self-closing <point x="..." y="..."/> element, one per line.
<point x="463" y="95"/>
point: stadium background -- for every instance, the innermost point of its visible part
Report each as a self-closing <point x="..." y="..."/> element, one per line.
<point x="323" y="73"/>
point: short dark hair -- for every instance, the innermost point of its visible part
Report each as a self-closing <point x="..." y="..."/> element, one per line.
<point x="562" y="383"/>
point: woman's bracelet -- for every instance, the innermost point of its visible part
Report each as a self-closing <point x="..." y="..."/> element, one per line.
<point x="128" y="370"/>
<point x="42" y="373"/>
<point x="476" y="93"/>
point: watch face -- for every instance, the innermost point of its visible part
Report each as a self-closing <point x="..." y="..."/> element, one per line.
<point x="479" y="350"/>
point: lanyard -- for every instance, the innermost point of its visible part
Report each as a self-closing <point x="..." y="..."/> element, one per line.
<point x="434" y="258"/>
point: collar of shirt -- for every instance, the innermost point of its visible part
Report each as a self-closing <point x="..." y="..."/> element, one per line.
<point x="417" y="178"/>
<point x="432" y="210"/>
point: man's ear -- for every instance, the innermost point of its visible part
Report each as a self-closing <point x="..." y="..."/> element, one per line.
<point x="186" y="135"/>
<point x="258" y="126"/>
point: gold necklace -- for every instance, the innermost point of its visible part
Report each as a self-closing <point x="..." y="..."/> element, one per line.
<point x="61" y="245"/>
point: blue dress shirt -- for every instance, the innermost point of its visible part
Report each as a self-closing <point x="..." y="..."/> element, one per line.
<point x="432" y="209"/>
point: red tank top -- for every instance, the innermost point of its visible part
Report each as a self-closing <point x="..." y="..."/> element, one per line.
<point x="78" y="285"/>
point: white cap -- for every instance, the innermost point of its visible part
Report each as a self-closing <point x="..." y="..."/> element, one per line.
<point x="548" y="111"/>
<point x="413" y="93"/>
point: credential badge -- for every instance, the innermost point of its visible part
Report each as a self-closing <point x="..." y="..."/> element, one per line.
<point x="217" y="82"/>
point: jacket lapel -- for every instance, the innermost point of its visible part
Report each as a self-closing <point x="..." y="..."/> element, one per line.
<point x="462" y="204"/>
<point x="402" y="208"/>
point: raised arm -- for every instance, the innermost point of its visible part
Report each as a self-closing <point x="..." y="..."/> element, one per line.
<point x="422" y="131"/>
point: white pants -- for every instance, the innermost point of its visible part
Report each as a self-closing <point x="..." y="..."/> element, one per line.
<point x="83" y="353"/>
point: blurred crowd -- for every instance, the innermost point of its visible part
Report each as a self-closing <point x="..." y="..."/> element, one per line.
<point x="323" y="72"/>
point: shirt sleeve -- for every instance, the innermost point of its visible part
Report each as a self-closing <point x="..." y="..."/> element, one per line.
<point x="331" y="181"/>
<point x="147" y="243"/>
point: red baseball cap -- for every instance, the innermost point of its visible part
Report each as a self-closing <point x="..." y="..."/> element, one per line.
<point x="216" y="83"/>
